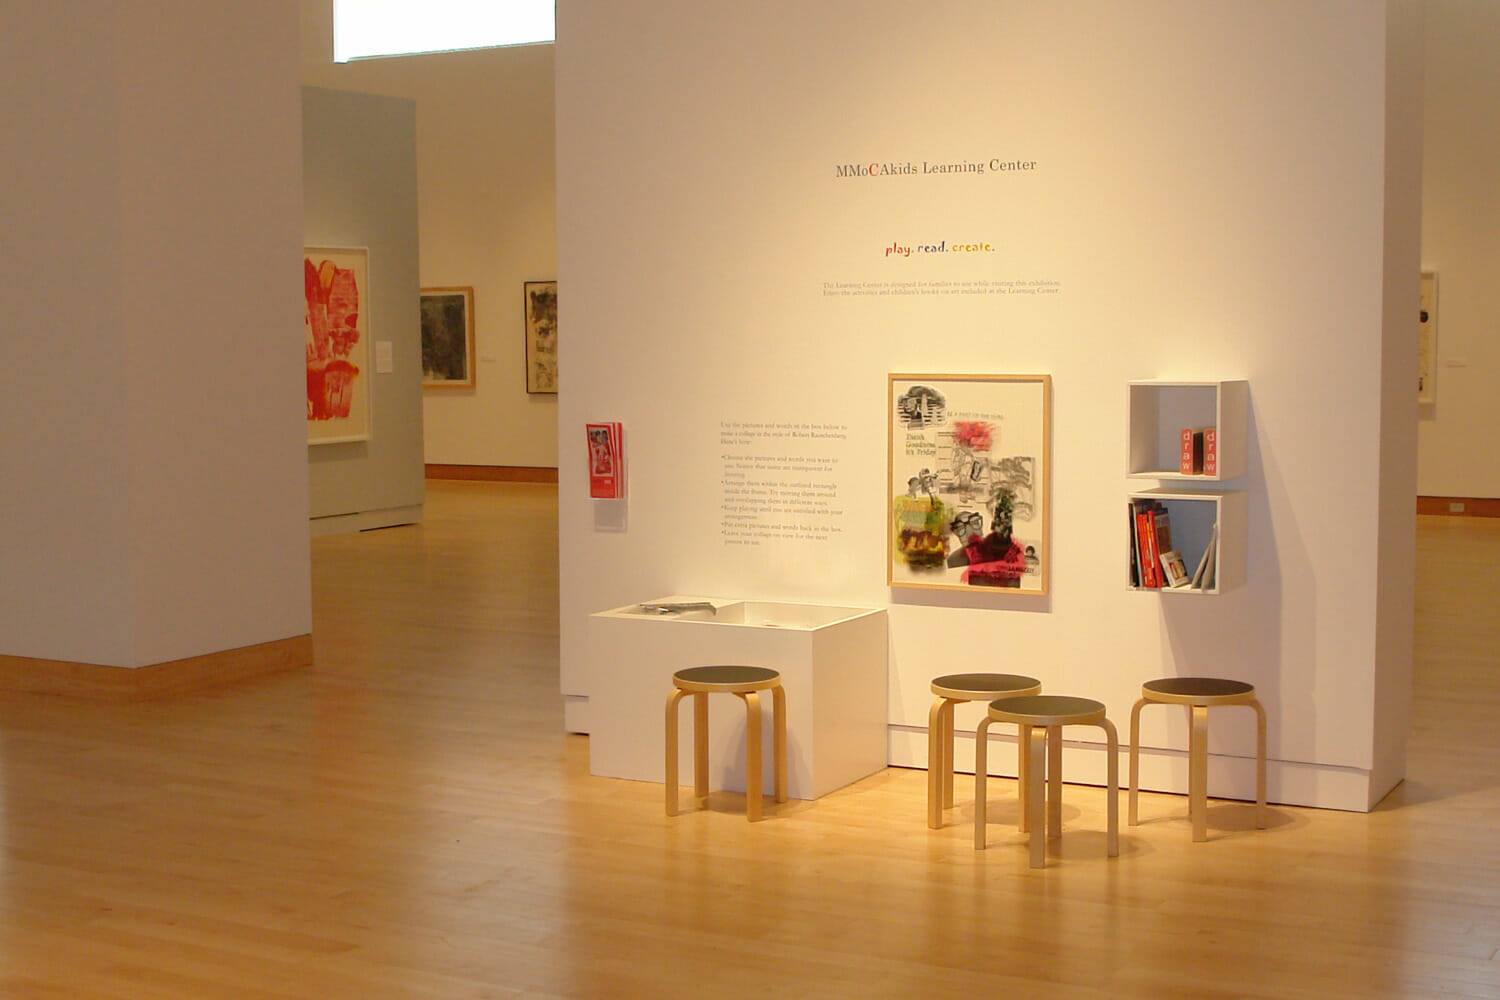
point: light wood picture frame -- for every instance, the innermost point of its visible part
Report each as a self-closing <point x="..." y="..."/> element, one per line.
<point x="336" y="322"/>
<point x="448" y="338"/>
<point x="1427" y="331"/>
<point x="970" y="464"/>
<point x="541" y="336"/>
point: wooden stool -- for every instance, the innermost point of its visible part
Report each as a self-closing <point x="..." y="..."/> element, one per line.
<point x="950" y="690"/>
<point x="1199" y="694"/>
<point x="1040" y="719"/>
<point x="746" y="682"/>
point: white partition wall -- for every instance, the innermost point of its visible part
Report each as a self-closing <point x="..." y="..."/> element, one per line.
<point x="359" y="167"/>
<point x="765" y="209"/>
<point x="153" y="481"/>
<point x="1460" y="215"/>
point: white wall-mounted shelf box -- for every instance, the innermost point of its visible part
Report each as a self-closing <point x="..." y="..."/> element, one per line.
<point x="1193" y="514"/>
<point x="1161" y="409"/>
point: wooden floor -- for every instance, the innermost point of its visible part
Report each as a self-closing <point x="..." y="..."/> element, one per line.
<point x="407" y="821"/>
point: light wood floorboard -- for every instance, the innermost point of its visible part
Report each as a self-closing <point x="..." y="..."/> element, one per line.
<point x="407" y="820"/>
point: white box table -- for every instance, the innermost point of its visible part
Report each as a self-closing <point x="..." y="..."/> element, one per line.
<point x="834" y="664"/>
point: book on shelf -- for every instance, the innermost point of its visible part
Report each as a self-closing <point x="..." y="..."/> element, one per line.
<point x="1135" y="551"/>
<point x="1145" y="534"/>
<point x="1174" y="570"/>
<point x="1161" y="527"/>
<point x="1190" y="454"/>
<point x="1142" y="549"/>
<point x="1205" y="576"/>
<point x="1198" y="454"/>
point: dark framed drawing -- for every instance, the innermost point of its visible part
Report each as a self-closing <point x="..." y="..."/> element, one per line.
<point x="969" y="459"/>
<point x="448" y="338"/>
<point x="541" y="336"/>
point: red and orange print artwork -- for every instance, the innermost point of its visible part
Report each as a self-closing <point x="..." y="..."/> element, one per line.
<point x="332" y="320"/>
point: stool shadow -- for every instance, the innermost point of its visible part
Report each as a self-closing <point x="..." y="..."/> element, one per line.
<point x="1223" y="817"/>
<point x="1003" y="810"/>
<point x="1078" y="843"/>
<point x="733" y="803"/>
<point x="1089" y="844"/>
<point x="1005" y="814"/>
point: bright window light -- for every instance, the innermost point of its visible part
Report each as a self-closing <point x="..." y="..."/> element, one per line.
<point x="365" y="28"/>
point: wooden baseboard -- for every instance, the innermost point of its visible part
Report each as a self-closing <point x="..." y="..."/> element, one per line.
<point x="196" y="673"/>
<point x="494" y="473"/>
<point x="1466" y="506"/>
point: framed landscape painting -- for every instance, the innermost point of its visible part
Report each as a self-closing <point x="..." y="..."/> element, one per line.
<point x="448" y="338"/>
<point x="336" y="322"/>
<point x="970" y="474"/>
<point x="541" y="336"/>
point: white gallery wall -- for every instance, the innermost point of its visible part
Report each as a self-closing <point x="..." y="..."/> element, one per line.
<point x="1459" y="222"/>
<point x="1169" y="190"/>
<point x="360" y="191"/>
<point x="487" y="195"/>
<point x="153" y="482"/>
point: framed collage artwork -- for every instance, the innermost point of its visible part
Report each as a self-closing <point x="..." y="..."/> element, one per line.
<point x="969" y="482"/>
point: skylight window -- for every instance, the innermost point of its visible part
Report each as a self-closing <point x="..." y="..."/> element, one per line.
<point x="363" y="29"/>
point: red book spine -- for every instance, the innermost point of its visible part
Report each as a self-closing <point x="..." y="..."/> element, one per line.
<point x="1156" y="573"/>
<point x="1185" y="456"/>
<point x="1210" y="451"/>
<point x="1150" y="574"/>
<point x="1142" y="549"/>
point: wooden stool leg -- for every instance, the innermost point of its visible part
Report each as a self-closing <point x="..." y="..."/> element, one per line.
<point x="935" y="764"/>
<point x="672" y="790"/>
<point x="778" y="738"/>
<point x="1023" y="775"/>
<point x="1112" y="787"/>
<point x="700" y="745"/>
<point x="1135" y="760"/>
<point x="1036" y="787"/>
<point x="1260" y="763"/>
<point x="981" y="771"/>
<point x="753" y="752"/>
<point x="947" y="751"/>
<point x="1198" y="773"/>
<point x="1054" y="782"/>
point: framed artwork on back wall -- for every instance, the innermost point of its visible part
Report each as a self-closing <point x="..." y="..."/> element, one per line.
<point x="448" y="338"/>
<point x="541" y="336"/>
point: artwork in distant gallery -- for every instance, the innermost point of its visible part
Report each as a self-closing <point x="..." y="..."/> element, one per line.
<point x="336" y="324"/>
<point x="448" y="338"/>
<point x="1427" y="340"/>
<point x="541" y="336"/>
<point x="968" y="500"/>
